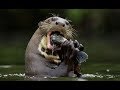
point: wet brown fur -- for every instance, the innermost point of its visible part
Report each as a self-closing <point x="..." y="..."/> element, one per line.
<point x="32" y="51"/>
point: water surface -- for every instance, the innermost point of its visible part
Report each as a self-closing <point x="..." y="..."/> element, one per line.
<point x="91" y="72"/>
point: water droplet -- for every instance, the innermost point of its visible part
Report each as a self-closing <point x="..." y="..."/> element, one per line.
<point x="5" y="66"/>
<point x="5" y="75"/>
<point x="96" y="72"/>
<point x="107" y="70"/>
<point x="45" y="77"/>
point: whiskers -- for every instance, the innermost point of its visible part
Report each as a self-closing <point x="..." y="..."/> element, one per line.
<point x="54" y="15"/>
<point x="72" y="33"/>
<point x="68" y="33"/>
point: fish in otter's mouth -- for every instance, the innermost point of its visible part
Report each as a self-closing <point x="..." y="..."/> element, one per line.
<point x="54" y="39"/>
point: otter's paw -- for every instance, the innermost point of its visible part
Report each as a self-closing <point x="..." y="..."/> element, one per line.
<point x="78" y="45"/>
<point x="68" y="51"/>
<point x="78" y="74"/>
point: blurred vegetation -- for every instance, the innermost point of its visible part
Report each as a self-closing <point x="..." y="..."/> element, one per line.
<point x="97" y="29"/>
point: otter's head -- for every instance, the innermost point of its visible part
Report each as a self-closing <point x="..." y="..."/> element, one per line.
<point x="56" y="25"/>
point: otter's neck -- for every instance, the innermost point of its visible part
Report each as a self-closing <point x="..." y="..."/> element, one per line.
<point x="34" y="42"/>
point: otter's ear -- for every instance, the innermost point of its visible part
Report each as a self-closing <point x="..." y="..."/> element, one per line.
<point x="48" y="20"/>
<point x="40" y="23"/>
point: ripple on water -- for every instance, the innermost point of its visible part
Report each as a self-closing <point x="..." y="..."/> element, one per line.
<point x="92" y="76"/>
<point x="107" y="76"/>
<point x="12" y="75"/>
<point x="5" y="66"/>
<point x="84" y="76"/>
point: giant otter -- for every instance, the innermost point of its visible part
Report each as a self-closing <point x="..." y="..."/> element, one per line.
<point x="42" y="60"/>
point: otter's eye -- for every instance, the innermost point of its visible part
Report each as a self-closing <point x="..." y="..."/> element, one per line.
<point x="67" y="23"/>
<point x="53" y="19"/>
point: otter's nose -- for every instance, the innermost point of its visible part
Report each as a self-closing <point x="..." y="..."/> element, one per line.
<point x="60" y="23"/>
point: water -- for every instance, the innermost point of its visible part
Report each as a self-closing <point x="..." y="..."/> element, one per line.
<point x="91" y="72"/>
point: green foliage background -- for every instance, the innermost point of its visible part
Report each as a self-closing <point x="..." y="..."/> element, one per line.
<point x="97" y="29"/>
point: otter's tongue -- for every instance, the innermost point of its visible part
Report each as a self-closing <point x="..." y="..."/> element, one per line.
<point x="49" y="46"/>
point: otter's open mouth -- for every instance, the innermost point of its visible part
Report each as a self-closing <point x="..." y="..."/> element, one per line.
<point x="54" y="38"/>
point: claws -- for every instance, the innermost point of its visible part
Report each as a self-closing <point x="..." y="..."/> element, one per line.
<point x="79" y="46"/>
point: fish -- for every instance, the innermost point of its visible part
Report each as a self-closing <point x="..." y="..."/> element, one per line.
<point x="57" y="40"/>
